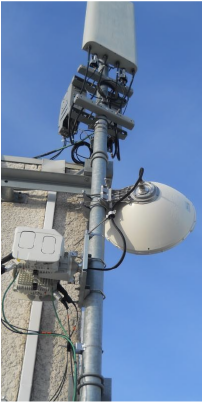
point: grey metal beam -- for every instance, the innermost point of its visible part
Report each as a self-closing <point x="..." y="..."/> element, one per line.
<point x="95" y="75"/>
<point x="111" y="115"/>
<point x="91" y="88"/>
<point x="89" y="120"/>
<point x="35" y="161"/>
<point x="47" y="181"/>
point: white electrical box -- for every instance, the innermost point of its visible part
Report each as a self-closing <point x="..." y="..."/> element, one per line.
<point x="110" y="30"/>
<point x="38" y="245"/>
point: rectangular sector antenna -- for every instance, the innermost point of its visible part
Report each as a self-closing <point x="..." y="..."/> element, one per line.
<point x="110" y="30"/>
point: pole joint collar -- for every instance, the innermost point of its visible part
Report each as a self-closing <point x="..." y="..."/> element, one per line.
<point x="99" y="154"/>
<point x="81" y="377"/>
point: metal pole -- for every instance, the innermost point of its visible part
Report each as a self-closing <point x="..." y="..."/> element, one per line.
<point x="92" y="355"/>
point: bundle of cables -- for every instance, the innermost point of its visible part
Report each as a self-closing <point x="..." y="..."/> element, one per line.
<point x="74" y="152"/>
<point x="60" y="150"/>
<point x="111" y="95"/>
<point x="67" y="337"/>
<point x="114" y="143"/>
<point x="3" y="262"/>
<point x="111" y="216"/>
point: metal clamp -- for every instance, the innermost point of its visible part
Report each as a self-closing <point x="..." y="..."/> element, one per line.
<point x="111" y="214"/>
<point x="101" y="386"/>
<point x="101" y="155"/>
<point x="79" y="348"/>
<point x="106" y="193"/>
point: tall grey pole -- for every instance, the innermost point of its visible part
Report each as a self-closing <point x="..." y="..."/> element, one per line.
<point x="92" y="355"/>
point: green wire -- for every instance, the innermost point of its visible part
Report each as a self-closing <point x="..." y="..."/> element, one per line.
<point x="4" y="296"/>
<point x="61" y="149"/>
<point x="56" y="314"/>
<point x="54" y="335"/>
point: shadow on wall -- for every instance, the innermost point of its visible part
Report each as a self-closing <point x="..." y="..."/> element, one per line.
<point x="69" y="220"/>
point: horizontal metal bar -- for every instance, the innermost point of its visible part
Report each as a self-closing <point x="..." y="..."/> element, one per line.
<point x="90" y="120"/>
<point x="91" y="88"/>
<point x="117" y="118"/>
<point x="21" y="159"/>
<point x="34" y="161"/>
<point x="78" y="83"/>
<point x="47" y="181"/>
<point x="95" y="75"/>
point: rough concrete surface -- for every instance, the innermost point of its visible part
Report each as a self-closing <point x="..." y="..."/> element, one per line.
<point x="51" y="352"/>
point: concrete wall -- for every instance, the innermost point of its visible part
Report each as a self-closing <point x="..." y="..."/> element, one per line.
<point x="51" y="352"/>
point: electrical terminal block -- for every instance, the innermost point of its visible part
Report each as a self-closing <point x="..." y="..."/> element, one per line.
<point x="28" y="286"/>
<point x="67" y="268"/>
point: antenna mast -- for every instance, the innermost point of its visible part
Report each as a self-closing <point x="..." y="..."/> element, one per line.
<point x="109" y="46"/>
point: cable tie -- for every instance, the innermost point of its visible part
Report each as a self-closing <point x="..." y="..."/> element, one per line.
<point x="111" y="214"/>
<point x="98" y="291"/>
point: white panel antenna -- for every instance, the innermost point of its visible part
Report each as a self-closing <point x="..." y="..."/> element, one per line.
<point x="110" y="31"/>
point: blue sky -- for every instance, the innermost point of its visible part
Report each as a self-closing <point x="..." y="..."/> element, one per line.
<point x="152" y="337"/>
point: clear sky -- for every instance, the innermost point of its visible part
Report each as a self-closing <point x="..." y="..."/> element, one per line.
<point x="153" y="310"/>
